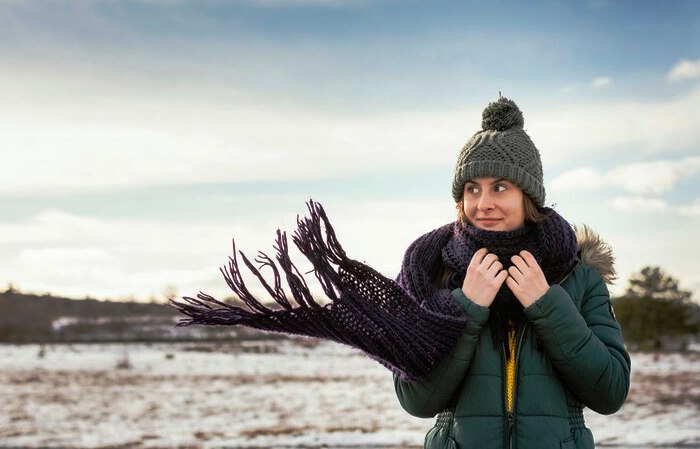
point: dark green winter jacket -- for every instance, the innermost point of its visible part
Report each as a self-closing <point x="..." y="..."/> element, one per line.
<point x="569" y="356"/>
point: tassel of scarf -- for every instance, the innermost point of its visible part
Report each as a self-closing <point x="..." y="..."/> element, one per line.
<point x="367" y="311"/>
<point x="205" y="309"/>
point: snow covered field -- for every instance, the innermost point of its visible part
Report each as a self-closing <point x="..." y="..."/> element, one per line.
<point x="268" y="394"/>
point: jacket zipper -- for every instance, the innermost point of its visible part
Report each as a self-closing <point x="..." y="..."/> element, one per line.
<point x="510" y="414"/>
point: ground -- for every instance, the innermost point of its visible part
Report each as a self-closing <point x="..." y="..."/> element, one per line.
<point x="271" y="395"/>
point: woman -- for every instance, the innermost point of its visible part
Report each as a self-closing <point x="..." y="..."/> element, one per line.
<point x="502" y="317"/>
<point x="541" y="340"/>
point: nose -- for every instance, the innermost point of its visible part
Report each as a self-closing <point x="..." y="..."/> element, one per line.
<point x="485" y="202"/>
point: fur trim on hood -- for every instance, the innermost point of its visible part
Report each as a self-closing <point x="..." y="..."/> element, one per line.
<point x="596" y="253"/>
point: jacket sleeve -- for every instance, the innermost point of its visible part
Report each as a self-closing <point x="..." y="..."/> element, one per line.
<point x="428" y="396"/>
<point x="586" y="347"/>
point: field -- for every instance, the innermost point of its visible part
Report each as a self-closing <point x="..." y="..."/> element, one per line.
<point x="271" y="394"/>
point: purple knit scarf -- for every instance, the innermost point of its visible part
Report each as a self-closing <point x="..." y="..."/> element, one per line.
<point x="552" y="242"/>
<point x="409" y="325"/>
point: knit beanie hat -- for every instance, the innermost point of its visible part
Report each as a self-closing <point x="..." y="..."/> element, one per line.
<point x="501" y="150"/>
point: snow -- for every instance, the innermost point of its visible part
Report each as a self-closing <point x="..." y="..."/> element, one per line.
<point x="271" y="394"/>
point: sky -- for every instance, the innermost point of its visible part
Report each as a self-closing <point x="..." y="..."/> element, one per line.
<point x="139" y="137"/>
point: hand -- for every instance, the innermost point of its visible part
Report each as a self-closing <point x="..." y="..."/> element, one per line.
<point x="485" y="275"/>
<point x="526" y="279"/>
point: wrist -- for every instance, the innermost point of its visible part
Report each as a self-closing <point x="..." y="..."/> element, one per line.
<point x="476" y="314"/>
<point x="527" y="302"/>
<point x="476" y="299"/>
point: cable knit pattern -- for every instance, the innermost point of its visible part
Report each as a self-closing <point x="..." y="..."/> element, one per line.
<point x="502" y="149"/>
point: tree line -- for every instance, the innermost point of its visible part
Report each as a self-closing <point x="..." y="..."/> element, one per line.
<point x="655" y="314"/>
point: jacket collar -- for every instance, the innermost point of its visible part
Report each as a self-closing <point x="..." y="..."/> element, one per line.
<point x="596" y="253"/>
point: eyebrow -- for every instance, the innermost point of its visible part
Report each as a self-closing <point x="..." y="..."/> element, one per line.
<point x="492" y="183"/>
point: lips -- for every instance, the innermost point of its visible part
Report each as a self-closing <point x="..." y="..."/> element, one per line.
<point x="489" y="222"/>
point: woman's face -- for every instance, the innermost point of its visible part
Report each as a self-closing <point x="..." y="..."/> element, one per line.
<point x="493" y="204"/>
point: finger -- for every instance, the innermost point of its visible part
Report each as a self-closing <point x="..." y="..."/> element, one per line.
<point x="515" y="273"/>
<point x="479" y="255"/>
<point x="519" y="262"/>
<point x="495" y="268"/>
<point x="528" y="258"/>
<point x="517" y="290"/>
<point x="502" y="276"/>
<point x="489" y="260"/>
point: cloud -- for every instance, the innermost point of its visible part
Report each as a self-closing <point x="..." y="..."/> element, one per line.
<point x="128" y="138"/>
<point x="601" y="82"/>
<point x="667" y="247"/>
<point x="648" y="205"/>
<point x="691" y="210"/>
<point x="118" y="258"/>
<point x="584" y="178"/>
<point x="60" y="257"/>
<point x="683" y="70"/>
<point x="589" y="128"/>
<point x="124" y="139"/>
<point x="597" y="83"/>
<point x="79" y="272"/>
<point x="73" y="126"/>
<point x="653" y="177"/>
<point x="80" y="255"/>
<point x="639" y="205"/>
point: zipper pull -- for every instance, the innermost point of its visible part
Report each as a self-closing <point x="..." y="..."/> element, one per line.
<point x="509" y="432"/>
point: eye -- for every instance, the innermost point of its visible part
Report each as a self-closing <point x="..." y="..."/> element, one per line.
<point x="499" y="187"/>
<point x="471" y="189"/>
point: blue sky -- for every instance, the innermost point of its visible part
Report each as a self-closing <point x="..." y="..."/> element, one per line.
<point x="138" y="137"/>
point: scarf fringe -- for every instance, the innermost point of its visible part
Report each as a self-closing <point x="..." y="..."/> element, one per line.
<point x="204" y="309"/>
<point x="366" y="310"/>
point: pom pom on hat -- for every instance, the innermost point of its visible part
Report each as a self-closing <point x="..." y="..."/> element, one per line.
<point x="501" y="115"/>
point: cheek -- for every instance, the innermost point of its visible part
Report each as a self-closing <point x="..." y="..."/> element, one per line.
<point x="468" y="207"/>
<point x="518" y="209"/>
